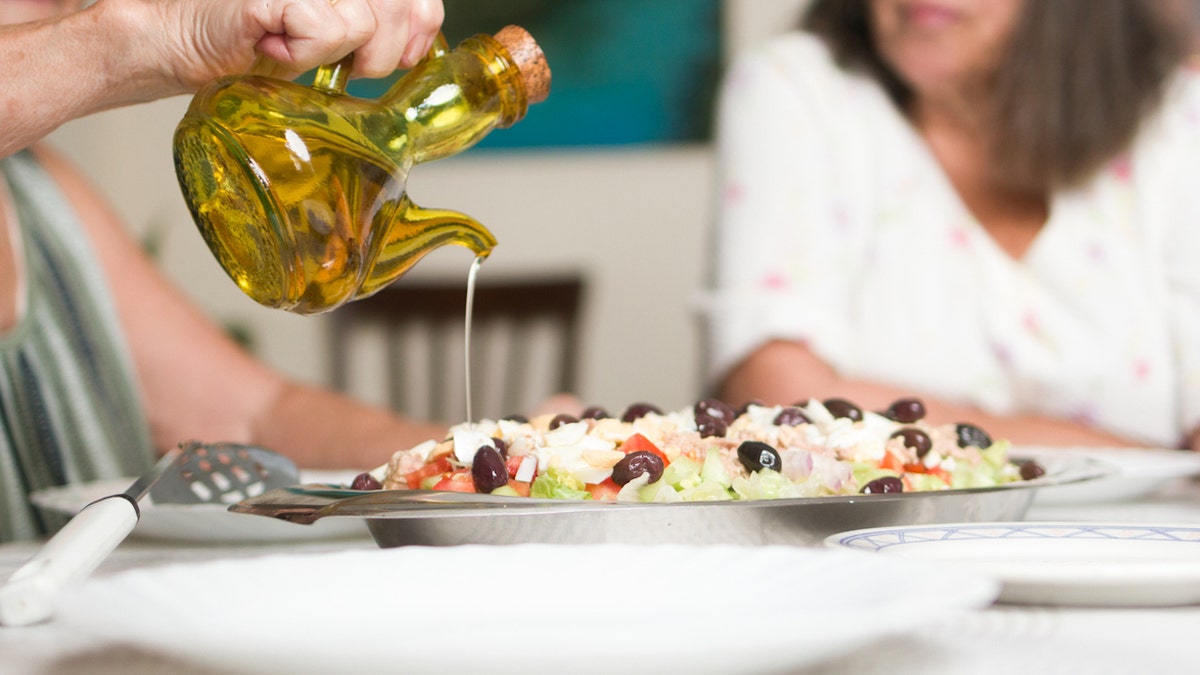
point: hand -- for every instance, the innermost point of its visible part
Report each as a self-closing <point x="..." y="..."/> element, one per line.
<point x="206" y="39"/>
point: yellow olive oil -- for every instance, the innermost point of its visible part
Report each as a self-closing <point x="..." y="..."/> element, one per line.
<point x="300" y="191"/>
<point x="471" y="275"/>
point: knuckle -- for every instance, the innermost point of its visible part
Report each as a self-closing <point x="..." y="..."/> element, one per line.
<point x="427" y="16"/>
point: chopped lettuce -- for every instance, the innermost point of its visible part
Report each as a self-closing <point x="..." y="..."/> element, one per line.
<point x="506" y="491"/>
<point x="996" y="454"/>
<point x="556" y="484"/>
<point x="706" y="492"/>
<point x="713" y="470"/>
<point x="629" y="491"/>
<point x="925" y="482"/>
<point x="659" y="492"/>
<point x="682" y="472"/>
<point x="685" y="479"/>
<point x="865" y="472"/>
<point x="765" y="484"/>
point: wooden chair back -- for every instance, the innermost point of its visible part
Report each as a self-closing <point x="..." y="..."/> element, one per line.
<point x="525" y="343"/>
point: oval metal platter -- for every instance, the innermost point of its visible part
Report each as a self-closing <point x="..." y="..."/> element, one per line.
<point x="430" y="518"/>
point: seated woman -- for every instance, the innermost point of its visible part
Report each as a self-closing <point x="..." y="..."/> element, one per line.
<point x="990" y="204"/>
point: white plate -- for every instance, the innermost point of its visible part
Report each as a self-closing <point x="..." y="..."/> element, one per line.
<point x="202" y="522"/>
<point x="528" y="609"/>
<point x="1084" y="564"/>
<point x="1137" y="472"/>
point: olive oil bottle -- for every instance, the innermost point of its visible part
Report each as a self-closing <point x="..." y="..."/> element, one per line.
<point x="300" y="191"/>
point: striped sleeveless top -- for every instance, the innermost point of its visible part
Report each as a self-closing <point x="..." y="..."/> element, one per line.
<point x="69" y="406"/>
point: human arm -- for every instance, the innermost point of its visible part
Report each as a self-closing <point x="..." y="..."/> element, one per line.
<point x="196" y="383"/>
<point x="784" y="372"/>
<point x="120" y="52"/>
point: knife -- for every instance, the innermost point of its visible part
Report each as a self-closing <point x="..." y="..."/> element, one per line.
<point x="76" y="550"/>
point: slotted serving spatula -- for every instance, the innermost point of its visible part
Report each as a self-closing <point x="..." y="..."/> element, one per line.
<point x="193" y="473"/>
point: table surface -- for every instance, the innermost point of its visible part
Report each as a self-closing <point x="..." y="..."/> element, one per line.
<point x="999" y="639"/>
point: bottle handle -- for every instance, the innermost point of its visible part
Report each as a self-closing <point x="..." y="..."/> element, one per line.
<point x="332" y="78"/>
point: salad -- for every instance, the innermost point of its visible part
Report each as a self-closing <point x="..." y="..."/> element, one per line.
<point x="707" y="452"/>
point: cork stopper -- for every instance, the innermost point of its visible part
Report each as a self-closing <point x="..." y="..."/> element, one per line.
<point x="530" y="60"/>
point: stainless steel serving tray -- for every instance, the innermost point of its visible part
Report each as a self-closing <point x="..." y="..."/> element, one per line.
<point x="431" y="518"/>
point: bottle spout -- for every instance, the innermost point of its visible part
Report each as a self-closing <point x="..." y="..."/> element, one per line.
<point x="417" y="231"/>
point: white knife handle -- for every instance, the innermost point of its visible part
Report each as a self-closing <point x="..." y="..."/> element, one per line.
<point x="69" y="556"/>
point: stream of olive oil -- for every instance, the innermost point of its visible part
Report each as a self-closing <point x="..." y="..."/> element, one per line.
<point x="467" y="335"/>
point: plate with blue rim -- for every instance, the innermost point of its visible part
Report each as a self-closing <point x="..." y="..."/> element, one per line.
<point x="1056" y="563"/>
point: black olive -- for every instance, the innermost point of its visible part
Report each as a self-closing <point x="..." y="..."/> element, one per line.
<point x="916" y="439"/>
<point x="791" y="416"/>
<point x="635" y="464"/>
<point x="638" y="411"/>
<point x="756" y="455"/>
<point x="906" y="410"/>
<point x="1031" y="470"/>
<point x="365" y="481"/>
<point x="710" y="426"/>
<point x="519" y="419"/>
<point x="593" y="412"/>
<point x="488" y="469"/>
<point x="715" y="408"/>
<point x="501" y="446"/>
<point x="970" y="435"/>
<point x="840" y="407"/>
<point x="883" y="485"/>
<point x="561" y="419"/>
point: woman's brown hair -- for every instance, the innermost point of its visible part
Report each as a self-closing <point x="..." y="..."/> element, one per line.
<point x="1078" y="79"/>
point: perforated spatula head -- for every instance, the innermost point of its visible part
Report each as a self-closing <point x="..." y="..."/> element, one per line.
<point x="223" y="473"/>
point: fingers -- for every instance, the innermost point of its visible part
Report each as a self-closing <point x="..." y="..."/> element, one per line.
<point x="303" y="34"/>
<point x="383" y="34"/>
<point x="359" y="20"/>
<point x="404" y="31"/>
<point x="426" y="21"/>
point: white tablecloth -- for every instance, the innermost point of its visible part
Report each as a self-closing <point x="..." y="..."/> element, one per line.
<point x="1002" y="639"/>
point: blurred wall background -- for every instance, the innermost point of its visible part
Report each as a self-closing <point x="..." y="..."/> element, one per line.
<point x="633" y="216"/>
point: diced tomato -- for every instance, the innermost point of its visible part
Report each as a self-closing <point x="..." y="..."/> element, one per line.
<point x="638" y="442"/>
<point x="512" y="464"/>
<point x="918" y="467"/>
<point x="604" y="491"/>
<point x="458" y="481"/>
<point x="937" y="471"/>
<point x="891" y="463"/>
<point x="521" y="486"/>
<point x="438" y="466"/>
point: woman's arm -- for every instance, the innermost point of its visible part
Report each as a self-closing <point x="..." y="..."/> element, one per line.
<point x="783" y="372"/>
<point x="119" y="52"/>
<point x="199" y="384"/>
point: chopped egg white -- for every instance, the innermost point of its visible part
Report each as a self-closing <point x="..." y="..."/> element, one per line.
<point x="467" y="440"/>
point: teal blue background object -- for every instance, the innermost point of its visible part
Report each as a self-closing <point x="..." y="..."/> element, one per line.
<point x="625" y="72"/>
